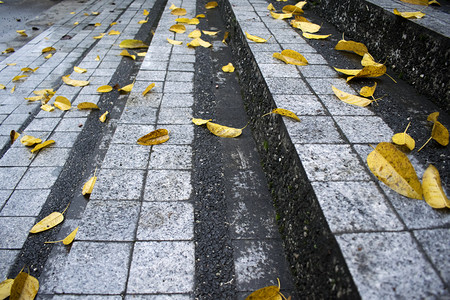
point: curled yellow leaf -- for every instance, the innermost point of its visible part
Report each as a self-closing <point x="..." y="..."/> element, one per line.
<point x="127" y="54"/>
<point x="199" y="42"/>
<point x="305" y="26"/>
<point x="8" y="50"/>
<point x="14" y="136"/>
<point x="368" y="91"/>
<point x="104" y="89"/>
<point x="114" y="32"/>
<point x="148" y="89"/>
<point x="200" y="16"/>
<point x="48" y="222"/>
<point x="18" y="77"/>
<point x="146" y="12"/>
<point x="127" y="88"/>
<point x="210" y="5"/>
<point x="351" y="46"/>
<point x="315" y="36"/>
<point x="210" y="33"/>
<point x="254" y="38"/>
<point x="155" y="137"/>
<point x="43" y="145"/>
<point x="174" y="42"/>
<point x="103" y="117"/>
<point x="178" y="28"/>
<point x="79" y="70"/>
<point x="228" y="68"/>
<point x="25" y="70"/>
<point x="88" y="187"/>
<point x="22" y="32"/>
<point x="29" y="140"/>
<point x="69" y="239"/>
<point x="87" y="105"/>
<point x="292" y="9"/>
<point x="2" y="87"/>
<point x="269" y="292"/>
<point x="5" y="288"/>
<point x="271" y="7"/>
<point x="440" y="133"/>
<point x="178" y="11"/>
<point x="200" y="122"/>
<point x="195" y="34"/>
<point x="223" y="131"/>
<point x="286" y="113"/>
<point x="279" y="16"/>
<point x="432" y="189"/>
<point x="368" y="60"/>
<point x="62" y="103"/>
<point x="67" y="80"/>
<point x="132" y="44"/>
<point x="99" y="36"/>
<point x="47" y="107"/>
<point x="24" y="286"/>
<point x="291" y="57"/>
<point x="404" y="139"/>
<point x="225" y="36"/>
<point x="351" y="99"/>
<point x="48" y="56"/>
<point x="142" y="21"/>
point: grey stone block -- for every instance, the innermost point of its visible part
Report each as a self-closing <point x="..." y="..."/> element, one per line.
<point x="18" y="119"/>
<point x="7" y="257"/>
<point x="177" y="100"/>
<point x="48" y="124"/>
<point x="25" y="203"/>
<point x="17" y="157"/>
<point x="364" y="129"/>
<point x="323" y="85"/>
<point x="178" y="115"/>
<point x="39" y="178"/>
<point x="337" y="107"/>
<point x="51" y="157"/>
<point x="301" y="104"/>
<point x="180" y="76"/>
<point x="180" y="134"/>
<point x="313" y="129"/>
<point x="10" y="176"/>
<point x="130" y="133"/>
<point x="181" y="66"/>
<point x="151" y="76"/>
<point x="152" y="99"/>
<point x="317" y="71"/>
<point x="14" y="231"/>
<point x="159" y="297"/>
<point x="118" y="184"/>
<point x="172" y="157"/>
<point x="168" y="185"/>
<point x="278" y="70"/>
<point x="120" y="156"/>
<point x="64" y="139"/>
<point x="4" y="195"/>
<point x="179" y="87"/>
<point x="287" y="86"/>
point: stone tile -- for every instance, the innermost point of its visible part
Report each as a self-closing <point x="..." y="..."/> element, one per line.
<point x="152" y="99"/>
<point x="7" y="257"/>
<point x="166" y="221"/>
<point x="89" y="260"/>
<point x="346" y="207"/>
<point x="162" y="267"/>
<point x="387" y="260"/>
<point x="16" y="119"/>
<point x="325" y="162"/>
<point x="138" y="115"/>
<point x="151" y="76"/>
<point x="4" y="195"/>
<point x="180" y="76"/>
<point x="172" y="157"/>
<point x="86" y="297"/>
<point x="10" y="176"/>
<point x="315" y="58"/>
<point x="51" y="157"/>
<point x="266" y="58"/>
<point x="159" y="297"/>
<point x="180" y="87"/>
<point x="47" y="124"/>
<point x="122" y="156"/>
<point x="257" y="47"/>
<point x="287" y="86"/>
<point x="64" y="139"/>
<point x="14" y="231"/>
<point x="109" y="221"/>
<point x="364" y="129"/>
<point x="177" y="100"/>
<point x="168" y="185"/>
<point x="300" y="47"/>
<point x="17" y="156"/>
<point x="154" y="65"/>
<point x="183" y="58"/>
<point x="313" y="129"/>
<point x="25" y="203"/>
<point x="118" y="184"/>
<point x="278" y="70"/>
<point x="39" y="178"/>
<point x="181" y="66"/>
<point x="178" y="115"/>
<point x="180" y="134"/>
<point x="300" y="104"/>
<point x="317" y="71"/>
<point x="129" y="133"/>
<point x="71" y="124"/>
<point x="323" y="85"/>
<point x="337" y="107"/>
<point x="435" y="243"/>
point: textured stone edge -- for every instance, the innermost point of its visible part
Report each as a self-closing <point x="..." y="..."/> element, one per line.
<point x="419" y="54"/>
<point x="318" y="266"/>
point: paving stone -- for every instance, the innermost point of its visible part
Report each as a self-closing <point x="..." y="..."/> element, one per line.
<point x="323" y="85"/>
<point x="120" y="156"/>
<point x="152" y="99"/>
<point x="48" y="124"/>
<point x="313" y="129"/>
<point x="162" y="267"/>
<point x="178" y="87"/>
<point x="168" y="185"/>
<point x="317" y="71"/>
<point x="4" y="195"/>
<point x="172" y="157"/>
<point x="86" y="297"/>
<point x="51" y="157"/>
<point x="7" y="257"/>
<point x="10" y="176"/>
<point x="278" y="70"/>
<point x="178" y="115"/>
<point x="177" y="100"/>
<point x="151" y="76"/>
<point x="39" y="178"/>
<point x="165" y="221"/>
<point x="300" y="105"/>
<point x="364" y="129"/>
<point x="129" y="133"/>
<point x="382" y="259"/>
<point x="180" y="76"/>
<point x="17" y="157"/>
<point x="181" y="66"/>
<point x="138" y="115"/>
<point x="14" y="231"/>
<point x="180" y="134"/>
<point x="16" y="119"/>
<point x="324" y="162"/>
<point x="337" y="107"/>
<point x="109" y="221"/>
<point x="25" y="203"/>
<point x="159" y="297"/>
<point x="287" y="86"/>
<point x="64" y="139"/>
<point x="118" y="184"/>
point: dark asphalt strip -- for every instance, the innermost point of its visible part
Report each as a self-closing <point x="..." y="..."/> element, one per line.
<point x="87" y="150"/>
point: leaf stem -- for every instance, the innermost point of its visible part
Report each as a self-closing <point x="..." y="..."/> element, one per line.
<point x="407" y="127"/>
<point x="391" y="77"/>
<point x="425" y="143"/>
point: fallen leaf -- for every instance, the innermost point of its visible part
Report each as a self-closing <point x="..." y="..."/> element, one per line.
<point x="178" y="11"/>
<point x="95" y="13"/>
<point x="410" y="14"/>
<point x="271" y="7"/>
<point x="148" y="89"/>
<point x="13" y="135"/>
<point x="113" y="32"/>
<point x="5" y="288"/>
<point x="367" y="71"/>
<point x="291" y="57"/>
<point x="368" y="91"/>
<point x="142" y="21"/>
<point x="178" y="28"/>
<point x="228" y="68"/>
<point x="417" y="2"/>
<point x="74" y="82"/>
<point x="155" y="137"/>
<point x="48" y="222"/>
<point x="210" y="5"/>
<point x="300" y="4"/>
<point x="351" y="99"/>
<point x="103" y="117"/>
<point x="89" y="185"/>
<point x="44" y="92"/>
<point x="48" y="56"/>
<point x="292" y="9"/>
<point x="200" y="16"/>
<point x="113" y="23"/>
<point x="22" y="32"/>
<point x="305" y="26"/>
<point x="13" y="89"/>
<point x="368" y="60"/>
<point x="99" y="36"/>
<point x="132" y="44"/>
<point x="351" y="46"/>
<point x="182" y="20"/>
<point x="172" y="7"/>
<point x="255" y="38"/>
<point x="195" y="34"/>
<point x="2" y="87"/>
<point x="315" y="36"/>
<point x="286" y="113"/>
<point x="174" y="42"/>
<point x="193" y="21"/>
<point x="440" y="133"/>
<point x="200" y="121"/>
<point x="225" y="36"/>
<point x="199" y="42"/>
<point x="279" y="16"/>
<point x="394" y="169"/>
<point x="76" y="23"/>
<point x="62" y="103"/>
<point x="24" y="287"/>
<point x="404" y="139"/>
<point x="18" y="77"/>
<point x="142" y="54"/>
<point x="433" y="2"/>
<point x="29" y="140"/>
<point x="8" y="50"/>
<point x="210" y="33"/>
<point x="11" y="64"/>
<point x="433" y="117"/>
<point x="25" y="70"/>
<point x="69" y="239"/>
<point x="97" y="24"/>
<point x="269" y="292"/>
<point x="43" y="145"/>
<point x="127" y="88"/>
<point x="79" y="70"/>
<point x="97" y="58"/>
<point x="87" y="105"/>
<point x="127" y="54"/>
<point x="146" y="12"/>
<point x="432" y="188"/>
<point x="47" y="107"/>
<point x="223" y="131"/>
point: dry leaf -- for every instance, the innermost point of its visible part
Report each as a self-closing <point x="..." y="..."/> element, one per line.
<point x="199" y="42"/>
<point x="95" y="13"/>
<point x="127" y="88"/>
<point x="193" y="21"/>
<point x="285" y="112"/>
<point x="89" y="185"/>
<point x="113" y="23"/>
<point x="99" y="36"/>
<point x="132" y="44"/>
<point x="393" y="167"/>
<point x="74" y="82"/>
<point x="48" y="56"/>
<point x="148" y="89"/>
<point x="268" y="292"/>
<point x="104" y="89"/>
<point x="87" y="105"/>
<point x="142" y="21"/>
<point x="210" y="33"/>
<point x="351" y="99"/>
<point x="62" y="103"/>
<point x="210" y="5"/>
<point x="69" y="239"/>
<point x="13" y="135"/>
<point x="254" y="38"/>
<point x="367" y="71"/>
<point x="146" y="12"/>
<point x="409" y="15"/>
<point x="271" y="7"/>
<point x="292" y="9"/>
<point x="97" y="24"/>
<point x="76" y="23"/>
<point x="228" y="68"/>
<point x="2" y="87"/>
<point x="29" y="140"/>
<point x="174" y="42"/>
<point x="155" y="137"/>
<point x="103" y="117"/>
<point x="18" y="77"/>
<point x="195" y="34"/>
<point x="200" y="121"/>
<point x="433" y="2"/>
<point x="47" y="107"/>
<point x="114" y="32"/>
<point x="200" y="16"/>
<point x="404" y="139"/>
<point x="358" y="48"/>
<point x="172" y="7"/>
<point x="368" y="60"/>
<point x="305" y="26"/>
<point x="5" y="288"/>
<point x="178" y="11"/>
<point x="13" y="89"/>
<point x="142" y="54"/>
<point x="182" y="20"/>
<point x="24" y="287"/>
<point x="291" y="57"/>
<point x="22" y="32"/>
<point x="8" y="50"/>
<point x="79" y="70"/>
<point x="43" y="145"/>
<point x="48" y="222"/>
<point x="432" y="189"/>
<point x="368" y="91"/>
<point x="315" y="36"/>
<point x="127" y="54"/>
<point x="97" y="58"/>
<point x="11" y="64"/>
<point x="300" y="4"/>
<point x="280" y="16"/>
<point x="417" y="2"/>
<point x="439" y="133"/>
<point x="178" y="28"/>
<point x="223" y="131"/>
<point x="25" y="70"/>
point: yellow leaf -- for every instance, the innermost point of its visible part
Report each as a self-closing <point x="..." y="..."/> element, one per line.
<point x="182" y="20"/>
<point x="22" y="33"/>
<point x="269" y="292"/>
<point x="8" y="50"/>
<point x="132" y="44"/>
<point x="142" y="21"/>
<point x="432" y="189"/>
<point x="104" y="89"/>
<point x="11" y="64"/>
<point x="125" y="53"/>
<point x="89" y="185"/>
<point x="35" y="98"/>
<point x="24" y="287"/>
<point x="43" y="145"/>
<point x="113" y="23"/>
<point x="409" y="15"/>
<point x="76" y="23"/>
<point x="99" y="36"/>
<point x="285" y="112"/>
<point x="228" y="68"/>
<point x="368" y="91"/>
<point x="44" y="92"/>
<point x="79" y="70"/>
<point x="127" y="88"/>
<point x="27" y="70"/>
<point x="417" y="2"/>
<point x="14" y="136"/>
<point x="271" y="7"/>
<point x="178" y="11"/>
<point x="199" y="42"/>
<point x="87" y="105"/>
<point x="433" y="117"/>
<point x="18" y="77"/>
<point x="172" y="7"/>
<point x="433" y="2"/>
<point x="5" y="288"/>
<point x="103" y="117"/>
<point x="48" y="56"/>
<point x="74" y="82"/>
<point x="95" y="13"/>
<point x="358" y="48"/>
<point x="178" y="28"/>
<point x="113" y="32"/>
<point x="155" y="137"/>
<point x="440" y="133"/>
<point x="29" y="140"/>
<point x="404" y="139"/>
<point x="200" y="121"/>
<point x="225" y="36"/>
<point x="368" y="60"/>
<point x="300" y="4"/>
<point x="367" y="71"/>
<point x="200" y="16"/>
<point x="305" y="26"/>
<point x="97" y="24"/>
<point x="280" y="16"/>
<point x="223" y="131"/>
<point x="146" y="12"/>
<point x="47" y="107"/>
<point x="62" y="103"/>
<point x="292" y="9"/>
<point x="48" y="222"/>
<point x="351" y="99"/>
<point x="148" y="89"/>
<point x="69" y="239"/>
<point x="195" y="34"/>
<point x="210" y="5"/>
<point x="86" y="14"/>
<point x="255" y="38"/>
<point x="142" y="54"/>
<point x="193" y="21"/>
<point x="2" y="87"/>
<point x="13" y="89"/>
<point x="291" y="57"/>
<point x="315" y="36"/>
<point x="393" y="167"/>
<point x="211" y="33"/>
<point x="97" y="58"/>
